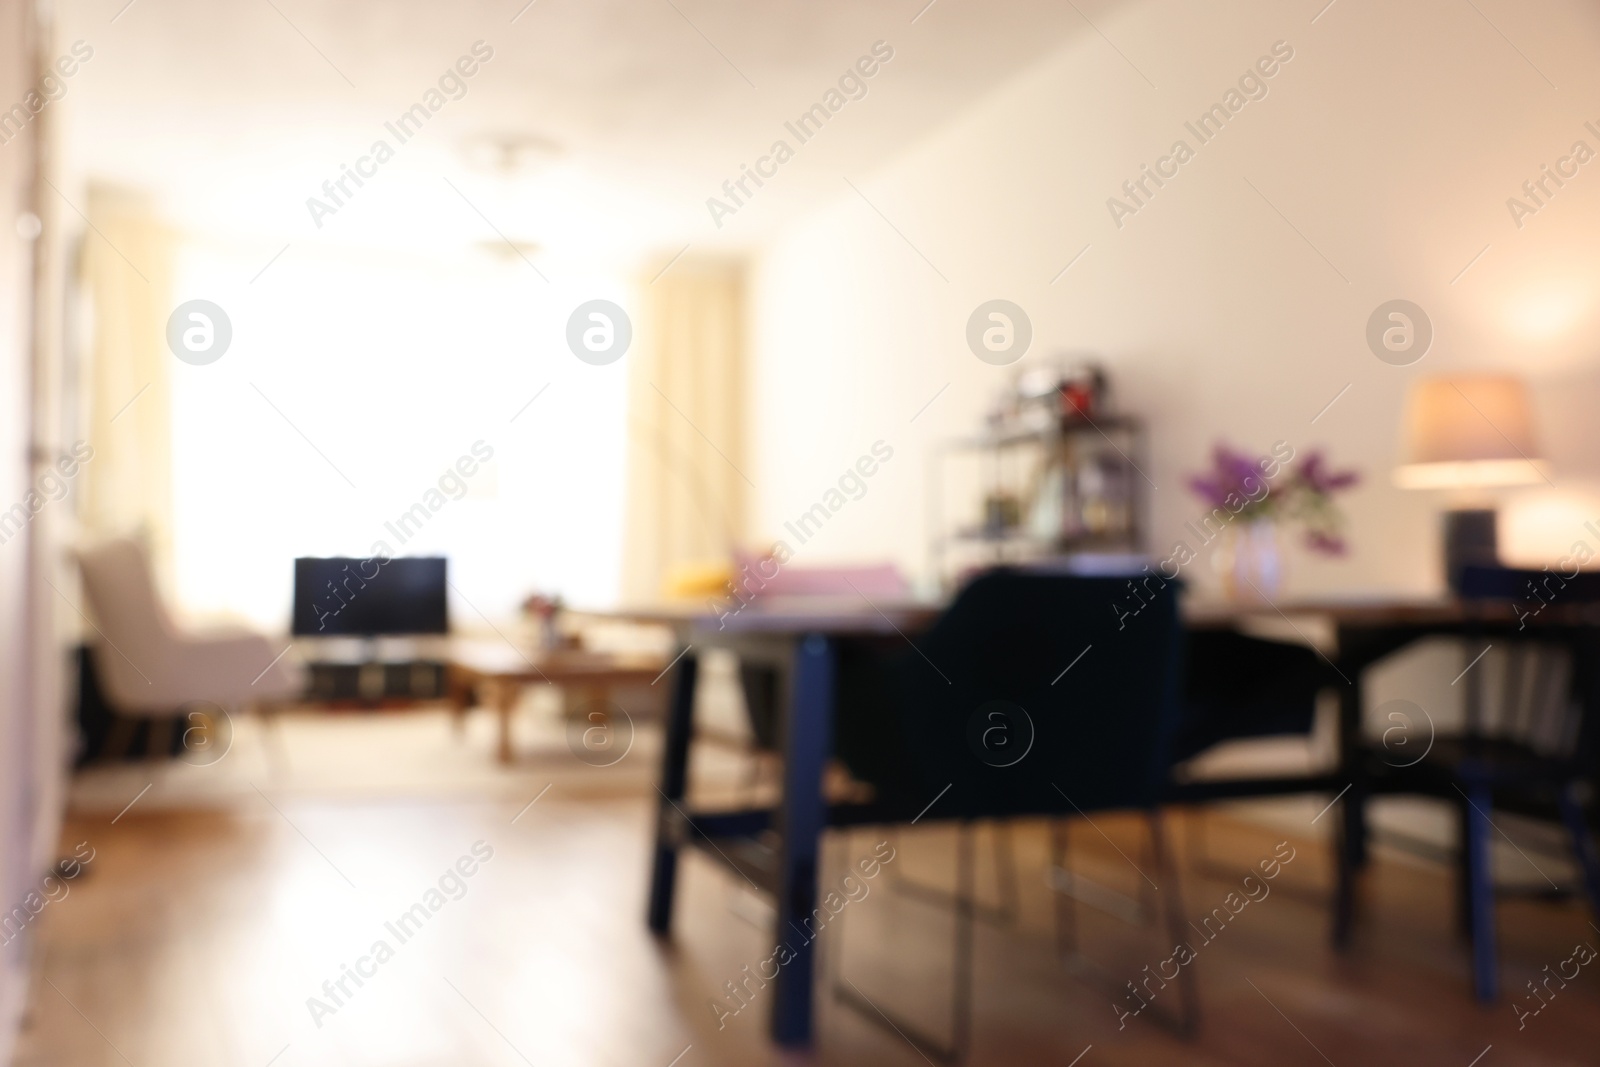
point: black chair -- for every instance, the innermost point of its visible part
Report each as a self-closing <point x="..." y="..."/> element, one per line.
<point x="1033" y="695"/>
<point x="1238" y="687"/>
<point x="1531" y="751"/>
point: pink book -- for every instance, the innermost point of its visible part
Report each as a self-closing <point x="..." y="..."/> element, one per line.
<point x="871" y="580"/>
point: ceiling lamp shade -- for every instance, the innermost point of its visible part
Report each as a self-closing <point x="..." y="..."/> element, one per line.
<point x="1469" y="432"/>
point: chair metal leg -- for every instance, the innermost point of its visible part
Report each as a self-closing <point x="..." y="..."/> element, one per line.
<point x="1582" y="847"/>
<point x="1066" y="905"/>
<point x="1197" y="860"/>
<point x="1149" y="895"/>
<point x="845" y="992"/>
<point x="1485" y="968"/>
<point x="1188" y="1019"/>
<point x="1005" y="873"/>
<point x="1003" y="914"/>
<point x="1195" y="834"/>
<point x="1165" y="913"/>
<point x="961" y="999"/>
<point x="830" y="959"/>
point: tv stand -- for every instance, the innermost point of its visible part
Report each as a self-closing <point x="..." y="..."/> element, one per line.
<point x="376" y="683"/>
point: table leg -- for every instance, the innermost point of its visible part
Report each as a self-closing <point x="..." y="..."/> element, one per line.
<point x="1348" y="874"/>
<point x="674" y="782"/>
<point x="591" y="700"/>
<point x="458" y="687"/>
<point x="1582" y="844"/>
<point x="505" y="700"/>
<point x="802" y="817"/>
<point x="1463" y="870"/>
<point x="1485" y="965"/>
<point x="1350" y="837"/>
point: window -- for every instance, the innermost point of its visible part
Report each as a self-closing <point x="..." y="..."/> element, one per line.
<point x="353" y="385"/>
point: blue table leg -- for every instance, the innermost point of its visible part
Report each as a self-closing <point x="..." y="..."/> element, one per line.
<point x="1485" y="964"/>
<point x="807" y="740"/>
<point x="674" y="781"/>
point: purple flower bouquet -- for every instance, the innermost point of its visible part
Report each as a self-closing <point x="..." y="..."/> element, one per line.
<point x="1253" y="490"/>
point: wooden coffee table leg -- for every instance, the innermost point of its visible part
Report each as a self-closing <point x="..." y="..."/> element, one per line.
<point x="591" y="700"/>
<point x="505" y="699"/>
<point x="458" y="688"/>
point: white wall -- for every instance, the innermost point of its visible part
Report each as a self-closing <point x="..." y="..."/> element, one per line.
<point x="31" y="726"/>
<point x="1391" y="140"/>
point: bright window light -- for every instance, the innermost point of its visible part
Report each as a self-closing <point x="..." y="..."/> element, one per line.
<point x="354" y="384"/>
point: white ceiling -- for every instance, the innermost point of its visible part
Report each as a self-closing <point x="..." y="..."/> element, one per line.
<point x="235" y="112"/>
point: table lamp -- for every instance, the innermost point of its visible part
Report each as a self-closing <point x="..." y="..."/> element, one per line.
<point x="1469" y="435"/>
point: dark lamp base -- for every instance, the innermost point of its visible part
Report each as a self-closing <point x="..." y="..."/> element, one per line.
<point x="1469" y="538"/>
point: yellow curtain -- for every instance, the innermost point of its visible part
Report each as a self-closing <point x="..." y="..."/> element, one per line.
<point x="687" y="467"/>
<point x="127" y="273"/>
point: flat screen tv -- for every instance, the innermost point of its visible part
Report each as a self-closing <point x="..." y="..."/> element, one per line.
<point x="342" y="596"/>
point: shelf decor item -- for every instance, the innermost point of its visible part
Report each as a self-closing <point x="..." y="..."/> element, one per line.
<point x="1252" y="499"/>
<point x="1055" y="477"/>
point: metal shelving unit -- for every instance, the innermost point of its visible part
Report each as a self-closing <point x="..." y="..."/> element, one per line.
<point x="1039" y="493"/>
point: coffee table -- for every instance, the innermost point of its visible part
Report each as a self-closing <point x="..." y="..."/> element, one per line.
<point x="501" y="670"/>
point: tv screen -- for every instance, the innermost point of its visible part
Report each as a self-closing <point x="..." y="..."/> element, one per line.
<point x="346" y="596"/>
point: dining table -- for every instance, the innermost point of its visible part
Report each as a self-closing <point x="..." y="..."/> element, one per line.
<point x="778" y="847"/>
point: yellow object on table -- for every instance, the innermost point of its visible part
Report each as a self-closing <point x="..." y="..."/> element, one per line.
<point x="705" y="579"/>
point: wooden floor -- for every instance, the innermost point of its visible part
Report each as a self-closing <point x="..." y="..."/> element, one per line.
<point x="200" y="931"/>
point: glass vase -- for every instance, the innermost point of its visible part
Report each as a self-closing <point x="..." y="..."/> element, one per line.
<point x="1249" y="562"/>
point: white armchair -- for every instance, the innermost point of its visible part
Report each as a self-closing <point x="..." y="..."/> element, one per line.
<point x="149" y="668"/>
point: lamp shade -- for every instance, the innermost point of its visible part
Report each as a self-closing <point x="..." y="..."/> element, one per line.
<point x="1470" y="431"/>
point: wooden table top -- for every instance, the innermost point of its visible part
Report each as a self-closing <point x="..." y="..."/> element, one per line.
<point x="500" y="660"/>
<point x="849" y="615"/>
<point x="786" y="614"/>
